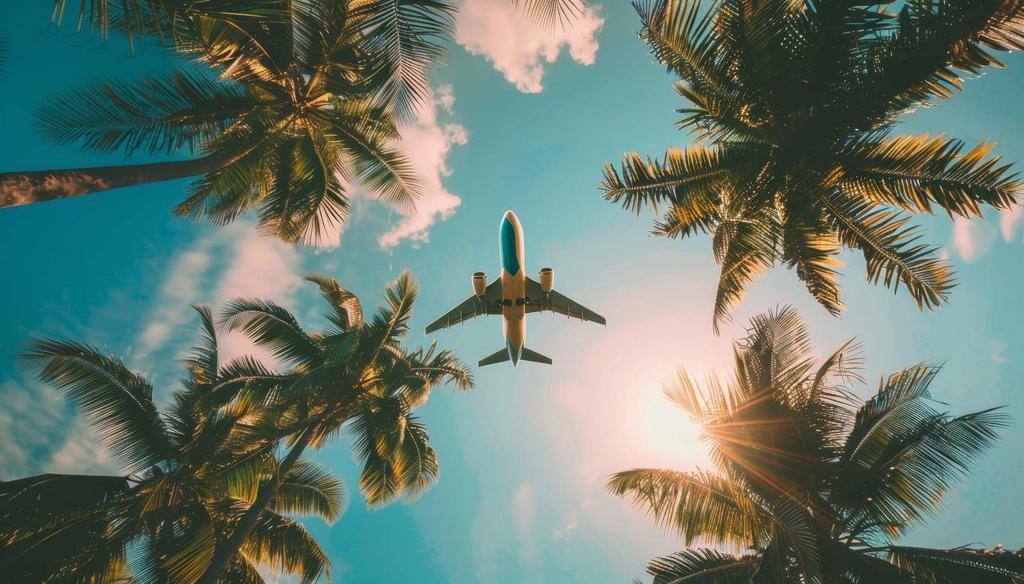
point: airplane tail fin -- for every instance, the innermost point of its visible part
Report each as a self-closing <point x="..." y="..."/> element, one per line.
<point x="499" y="356"/>
<point x="534" y="356"/>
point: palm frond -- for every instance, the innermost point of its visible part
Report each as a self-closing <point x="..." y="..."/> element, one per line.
<point x="403" y="39"/>
<point x="812" y="251"/>
<point x="160" y="19"/>
<point x="745" y="247"/>
<point x="378" y="433"/>
<point x="916" y="172"/>
<point x="203" y="360"/>
<point x="688" y="179"/>
<point x="697" y="505"/>
<point x="934" y="46"/>
<point x="417" y="462"/>
<point x="391" y="321"/>
<point x="309" y="489"/>
<point x="681" y="35"/>
<point x="305" y="200"/>
<point x="701" y="566"/>
<point x="551" y="12"/>
<point x="284" y="544"/>
<point x="891" y="250"/>
<point x="270" y="326"/>
<point x="118" y="402"/>
<point x="367" y="139"/>
<point x="346" y="312"/>
<point x="938" y="566"/>
<point x="157" y="114"/>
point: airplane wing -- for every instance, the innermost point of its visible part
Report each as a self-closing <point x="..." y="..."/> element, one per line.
<point x="470" y="307"/>
<point x="557" y="302"/>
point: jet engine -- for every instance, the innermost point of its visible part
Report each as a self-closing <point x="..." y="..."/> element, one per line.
<point x="547" y="279"/>
<point x="479" y="283"/>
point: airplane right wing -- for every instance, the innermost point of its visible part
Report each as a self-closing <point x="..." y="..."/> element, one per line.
<point x="471" y="307"/>
<point x="557" y="302"/>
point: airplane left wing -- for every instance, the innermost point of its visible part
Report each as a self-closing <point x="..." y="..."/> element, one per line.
<point x="471" y="307"/>
<point x="557" y="302"/>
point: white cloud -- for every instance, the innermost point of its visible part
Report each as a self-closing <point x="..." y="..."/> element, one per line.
<point x="264" y="268"/>
<point x="32" y="418"/>
<point x="1009" y="220"/>
<point x="180" y="288"/>
<point x="426" y="143"/>
<point x="519" y="47"/>
<point x="82" y="452"/>
<point x="524" y="513"/>
<point x="965" y="238"/>
<point x="571" y="524"/>
<point x="235" y="261"/>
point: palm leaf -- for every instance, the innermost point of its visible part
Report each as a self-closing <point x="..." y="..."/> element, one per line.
<point x="346" y="312"/>
<point x="936" y="566"/>
<point x="916" y="172"/>
<point x="156" y="114"/>
<point x="118" y="401"/>
<point x="367" y="139"/>
<point x="813" y="253"/>
<point x="697" y="505"/>
<point x="272" y="327"/>
<point x="686" y="178"/>
<point x="701" y="566"/>
<point x="550" y="12"/>
<point x="284" y="544"/>
<point x="891" y="250"/>
<point x="310" y="489"/>
<point x="203" y="360"/>
<point x="745" y="247"/>
<point x="403" y="40"/>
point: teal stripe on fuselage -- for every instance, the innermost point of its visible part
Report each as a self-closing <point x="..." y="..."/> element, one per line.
<point x="509" y="246"/>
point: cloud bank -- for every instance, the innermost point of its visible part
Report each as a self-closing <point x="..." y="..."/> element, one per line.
<point x="518" y="47"/>
<point x="426" y="143"/>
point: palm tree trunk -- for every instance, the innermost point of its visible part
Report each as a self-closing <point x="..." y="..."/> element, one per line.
<point x="264" y="497"/>
<point x="25" y="188"/>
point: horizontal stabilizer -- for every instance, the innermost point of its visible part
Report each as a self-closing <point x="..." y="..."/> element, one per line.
<point x="499" y="356"/>
<point x="534" y="356"/>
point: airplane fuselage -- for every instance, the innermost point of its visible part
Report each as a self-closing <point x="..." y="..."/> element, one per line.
<point x="513" y="284"/>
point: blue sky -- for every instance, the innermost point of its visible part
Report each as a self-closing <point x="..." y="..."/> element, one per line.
<point x="524" y="456"/>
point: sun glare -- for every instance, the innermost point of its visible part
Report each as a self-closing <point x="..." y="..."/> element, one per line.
<point x="664" y="433"/>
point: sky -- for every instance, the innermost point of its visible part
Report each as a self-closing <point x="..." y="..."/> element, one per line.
<point x="520" y="119"/>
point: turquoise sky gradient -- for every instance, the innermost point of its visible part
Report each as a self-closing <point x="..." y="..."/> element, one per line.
<point x="524" y="456"/>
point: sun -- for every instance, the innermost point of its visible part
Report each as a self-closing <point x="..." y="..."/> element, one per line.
<point x="663" y="431"/>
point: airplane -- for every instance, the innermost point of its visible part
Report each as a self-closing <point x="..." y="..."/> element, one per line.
<point x="513" y="295"/>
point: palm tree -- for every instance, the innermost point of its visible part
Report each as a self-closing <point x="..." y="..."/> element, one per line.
<point x="302" y="107"/>
<point x="138" y="19"/>
<point x="356" y="375"/>
<point x="192" y="473"/>
<point x="817" y="485"/>
<point x="794" y="105"/>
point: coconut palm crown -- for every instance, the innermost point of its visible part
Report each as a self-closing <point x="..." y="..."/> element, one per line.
<point x="356" y="376"/>
<point x="794" y="105"/>
<point x="301" y="107"/>
<point x="192" y="473"/>
<point x="814" y="483"/>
